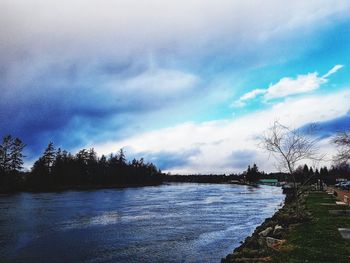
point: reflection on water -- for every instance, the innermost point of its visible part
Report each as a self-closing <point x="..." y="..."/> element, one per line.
<point x="168" y="223"/>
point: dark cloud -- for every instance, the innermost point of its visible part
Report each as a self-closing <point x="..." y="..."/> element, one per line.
<point x="329" y="128"/>
<point x="73" y="104"/>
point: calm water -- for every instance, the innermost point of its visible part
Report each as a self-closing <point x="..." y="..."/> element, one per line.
<point x="168" y="223"/>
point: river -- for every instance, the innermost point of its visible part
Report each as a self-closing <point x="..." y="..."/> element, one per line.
<point x="167" y="223"/>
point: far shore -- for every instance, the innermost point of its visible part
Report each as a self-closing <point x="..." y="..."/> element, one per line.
<point x="116" y="186"/>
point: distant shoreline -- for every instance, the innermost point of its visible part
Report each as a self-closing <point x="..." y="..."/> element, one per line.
<point x="117" y="186"/>
<point x="80" y="188"/>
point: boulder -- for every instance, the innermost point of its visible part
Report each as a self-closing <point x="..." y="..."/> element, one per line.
<point x="274" y="243"/>
<point x="265" y="232"/>
<point x="279" y="232"/>
<point x="277" y="229"/>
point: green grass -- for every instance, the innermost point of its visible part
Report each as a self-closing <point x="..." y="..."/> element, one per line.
<point x="318" y="240"/>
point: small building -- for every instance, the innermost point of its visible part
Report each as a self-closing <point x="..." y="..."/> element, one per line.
<point x="273" y="182"/>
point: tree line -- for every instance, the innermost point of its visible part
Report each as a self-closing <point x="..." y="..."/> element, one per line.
<point x="302" y="174"/>
<point x="59" y="169"/>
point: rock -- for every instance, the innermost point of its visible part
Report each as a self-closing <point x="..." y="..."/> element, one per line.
<point x="345" y="232"/>
<point x="274" y="243"/>
<point x="279" y="232"/>
<point x="277" y="229"/>
<point x="265" y="232"/>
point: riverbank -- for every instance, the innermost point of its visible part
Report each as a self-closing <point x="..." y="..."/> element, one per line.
<point x="312" y="237"/>
<point x="80" y="188"/>
<point x="163" y="180"/>
<point x="270" y="235"/>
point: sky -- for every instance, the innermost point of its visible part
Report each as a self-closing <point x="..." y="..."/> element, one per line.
<point x="189" y="85"/>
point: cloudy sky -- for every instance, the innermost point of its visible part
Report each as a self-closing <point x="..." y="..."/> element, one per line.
<point x="189" y="85"/>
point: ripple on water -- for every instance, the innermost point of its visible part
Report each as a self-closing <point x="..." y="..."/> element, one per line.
<point x="168" y="223"/>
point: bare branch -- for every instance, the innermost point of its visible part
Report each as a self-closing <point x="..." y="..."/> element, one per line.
<point x="289" y="147"/>
<point x="342" y="141"/>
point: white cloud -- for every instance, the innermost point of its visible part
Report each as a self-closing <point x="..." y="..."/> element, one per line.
<point x="332" y="71"/>
<point x="154" y="80"/>
<point x="217" y="140"/>
<point x="289" y="86"/>
<point x="249" y="95"/>
<point x="301" y="84"/>
<point x="252" y="94"/>
<point x="124" y="27"/>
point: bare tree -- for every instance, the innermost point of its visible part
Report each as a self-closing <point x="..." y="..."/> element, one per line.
<point x="290" y="147"/>
<point x="342" y="141"/>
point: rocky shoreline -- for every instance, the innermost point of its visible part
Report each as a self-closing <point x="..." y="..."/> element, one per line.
<point x="269" y="237"/>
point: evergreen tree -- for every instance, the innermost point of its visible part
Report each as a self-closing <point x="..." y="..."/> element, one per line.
<point x="92" y="155"/>
<point x="255" y="169"/>
<point x="11" y="156"/>
<point x="5" y="153"/>
<point x="306" y="170"/>
<point x="121" y="157"/>
<point x="49" y="156"/>
<point x="59" y="168"/>
<point x="82" y="156"/>
<point x="16" y="155"/>
<point x="103" y="170"/>
<point x="42" y="175"/>
<point x="252" y="174"/>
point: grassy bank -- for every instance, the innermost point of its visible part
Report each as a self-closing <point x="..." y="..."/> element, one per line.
<point x="317" y="240"/>
<point x="312" y="236"/>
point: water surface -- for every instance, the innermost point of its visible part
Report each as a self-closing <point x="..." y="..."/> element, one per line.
<point x="167" y="223"/>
